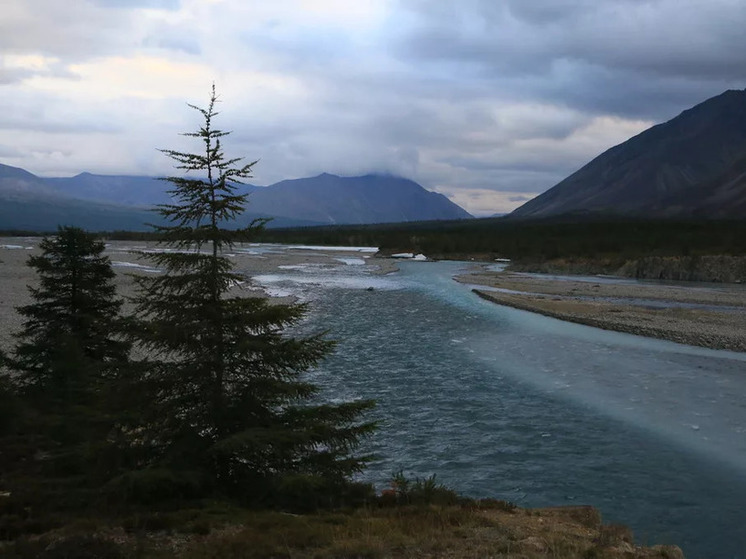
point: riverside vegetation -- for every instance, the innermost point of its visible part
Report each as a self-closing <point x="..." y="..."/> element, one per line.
<point x="670" y="249"/>
<point x="186" y="428"/>
<point x="695" y="250"/>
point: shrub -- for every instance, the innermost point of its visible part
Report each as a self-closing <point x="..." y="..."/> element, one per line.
<point x="419" y="491"/>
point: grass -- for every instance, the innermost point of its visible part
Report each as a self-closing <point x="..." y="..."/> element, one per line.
<point x="415" y="518"/>
<point x="382" y="529"/>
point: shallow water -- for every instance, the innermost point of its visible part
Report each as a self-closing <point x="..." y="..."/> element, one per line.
<point x="504" y="403"/>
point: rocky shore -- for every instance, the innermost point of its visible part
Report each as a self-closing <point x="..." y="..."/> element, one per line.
<point x="705" y="315"/>
<point x="16" y="276"/>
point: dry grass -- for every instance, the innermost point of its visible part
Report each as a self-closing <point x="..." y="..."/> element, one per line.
<point x="473" y="530"/>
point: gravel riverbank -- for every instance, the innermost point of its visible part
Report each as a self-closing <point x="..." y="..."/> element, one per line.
<point x="250" y="260"/>
<point x="707" y="315"/>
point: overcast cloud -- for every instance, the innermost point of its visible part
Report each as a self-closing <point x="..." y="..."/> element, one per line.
<point x="489" y="102"/>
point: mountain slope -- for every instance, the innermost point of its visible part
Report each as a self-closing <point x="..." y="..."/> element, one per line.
<point x="121" y="202"/>
<point x="688" y="166"/>
<point x="19" y="184"/>
<point x="128" y="190"/>
<point x="722" y="197"/>
<point x="28" y="203"/>
<point x="324" y="199"/>
<point x="354" y="200"/>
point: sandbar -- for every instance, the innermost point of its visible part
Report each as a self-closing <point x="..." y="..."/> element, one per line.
<point x="706" y="315"/>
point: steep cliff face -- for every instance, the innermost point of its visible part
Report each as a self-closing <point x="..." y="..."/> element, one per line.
<point x="692" y="165"/>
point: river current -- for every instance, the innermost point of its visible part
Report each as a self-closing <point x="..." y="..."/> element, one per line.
<point x="508" y="404"/>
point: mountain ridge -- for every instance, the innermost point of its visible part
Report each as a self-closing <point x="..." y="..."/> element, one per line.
<point x="322" y="200"/>
<point x="678" y="168"/>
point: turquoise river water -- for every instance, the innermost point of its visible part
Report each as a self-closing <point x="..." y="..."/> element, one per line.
<point x="503" y="403"/>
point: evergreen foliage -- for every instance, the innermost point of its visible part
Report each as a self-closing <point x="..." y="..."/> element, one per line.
<point x="64" y="373"/>
<point x="229" y="412"/>
<point x="72" y="320"/>
<point x="533" y="240"/>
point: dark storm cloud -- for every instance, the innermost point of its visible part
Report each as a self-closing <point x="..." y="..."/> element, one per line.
<point x="487" y="101"/>
<point x="627" y="57"/>
<point x="547" y="12"/>
<point x="513" y="165"/>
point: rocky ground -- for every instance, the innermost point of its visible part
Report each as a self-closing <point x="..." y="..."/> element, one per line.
<point x="707" y="315"/>
<point x="16" y="276"/>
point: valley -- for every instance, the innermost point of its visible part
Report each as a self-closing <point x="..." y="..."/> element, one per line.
<point x="515" y="398"/>
<point x="374" y="280"/>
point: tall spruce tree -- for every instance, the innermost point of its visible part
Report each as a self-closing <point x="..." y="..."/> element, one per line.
<point x="69" y="361"/>
<point x="230" y="410"/>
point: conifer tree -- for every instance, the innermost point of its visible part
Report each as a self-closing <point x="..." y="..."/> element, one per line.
<point x="74" y="311"/>
<point x="70" y="357"/>
<point x="230" y="407"/>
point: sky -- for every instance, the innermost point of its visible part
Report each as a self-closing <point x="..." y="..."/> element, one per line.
<point x="488" y="102"/>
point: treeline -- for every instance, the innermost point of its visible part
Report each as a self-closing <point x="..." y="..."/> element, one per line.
<point x="619" y="239"/>
<point x="23" y="233"/>
<point x="614" y="239"/>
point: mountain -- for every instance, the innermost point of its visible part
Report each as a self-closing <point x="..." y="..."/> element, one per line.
<point x="28" y="203"/>
<point x="331" y="199"/>
<point x="106" y="202"/>
<point x="128" y="190"/>
<point x="125" y="190"/>
<point x="724" y="196"/>
<point x="19" y="184"/>
<point x="691" y="166"/>
<point x="325" y="199"/>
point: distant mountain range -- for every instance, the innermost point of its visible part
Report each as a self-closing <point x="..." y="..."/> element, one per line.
<point x="691" y="166"/>
<point x="104" y="202"/>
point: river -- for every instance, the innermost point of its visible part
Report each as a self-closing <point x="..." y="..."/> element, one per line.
<point x="503" y="403"/>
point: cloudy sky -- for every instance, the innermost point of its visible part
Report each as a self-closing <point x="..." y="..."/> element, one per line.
<point x="487" y="101"/>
